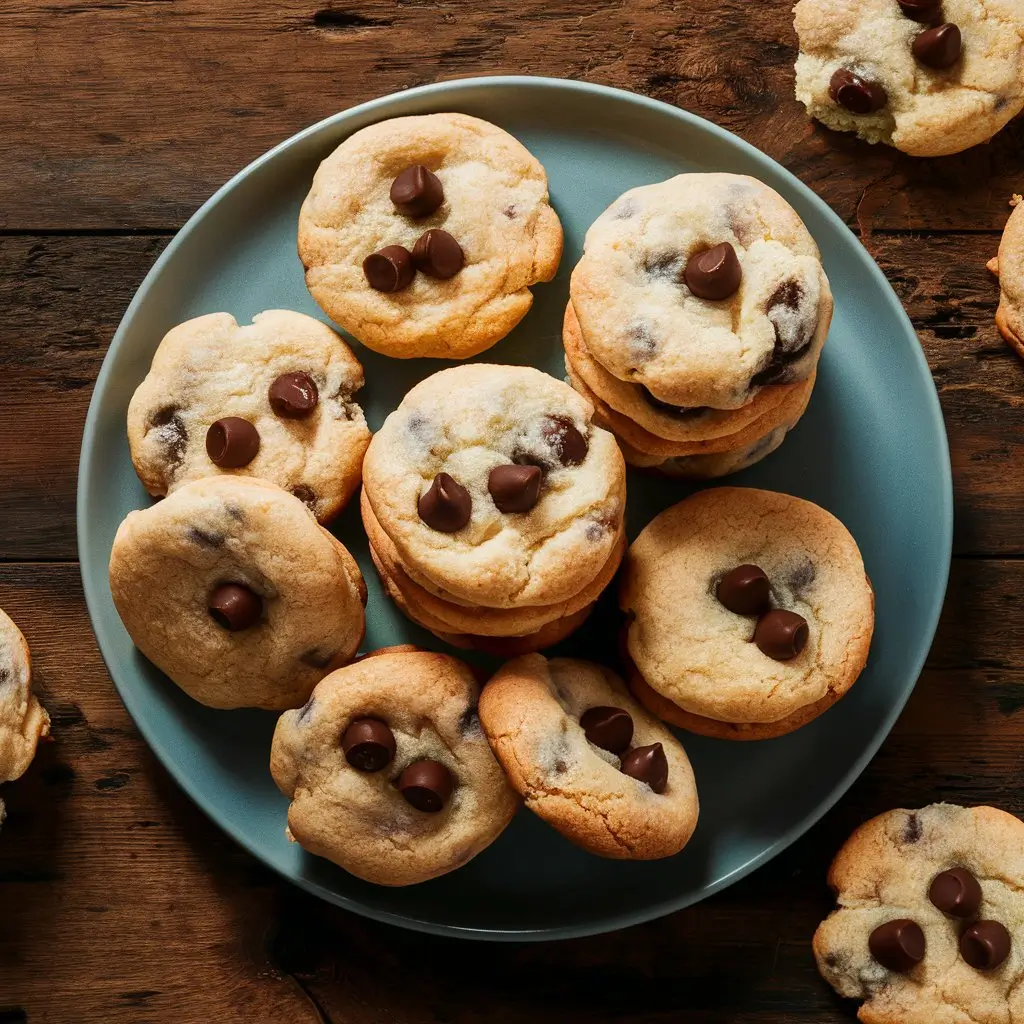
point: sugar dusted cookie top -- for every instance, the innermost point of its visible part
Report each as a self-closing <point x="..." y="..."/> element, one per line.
<point x="22" y="719"/>
<point x="476" y="184"/>
<point x="704" y="289"/>
<point x="916" y="959"/>
<point x="938" y="80"/>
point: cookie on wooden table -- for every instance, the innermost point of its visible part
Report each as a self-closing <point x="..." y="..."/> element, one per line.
<point x="388" y="771"/>
<point x="930" y="77"/>
<point x="232" y="589"/>
<point x="930" y="920"/>
<point x="421" y="236"/>
<point x="1008" y="266"/>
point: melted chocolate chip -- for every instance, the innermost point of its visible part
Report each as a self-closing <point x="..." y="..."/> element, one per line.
<point x="511" y="212"/>
<point x="681" y="411"/>
<point x="793" y="333"/>
<point x="956" y="892"/>
<point x="235" y="607"/>
<point x="662" y="264"/>
<point x="642" y="345"/>
<point x="368" y="744"/>
<point x="426" y="785"/>
<point x="469" y="721"/>
<point x="647" y="764"/>
<point x="205" y="538"/>
<point x="305" y="494"/>
<point x="446" y="506"/>
<point x="897" y="945"/>
<point x="800" y="578"/>
<point x="856" y="94"/>
<point x="568" y="444"/>
<point x="985" y="945"/>
<point x="417" y="191"/>
<point x="171" y="432"/>
<point x="938" y="47"/>
<point x="912" y="829"/>
<point x="609" y="728"/>
<point x="317" y="658"/>
<point x="514" y="488"/>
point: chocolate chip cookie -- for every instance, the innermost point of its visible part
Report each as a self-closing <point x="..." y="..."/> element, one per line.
<point x="388" y="771"/>
<point x="588" y="759"/>
<point x="930" y="77"/>
<point x="1008" y="266"/>
<point x="231" y="588"/>
<point x="273" y="399"/>
<point x="748" y="613"/>
<point x="930" y="918"/>
<point x="422" y="236"/>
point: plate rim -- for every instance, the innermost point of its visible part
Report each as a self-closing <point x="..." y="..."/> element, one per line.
<point x="93" y="591"/>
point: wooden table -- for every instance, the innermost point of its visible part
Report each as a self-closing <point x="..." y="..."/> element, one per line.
<point x="119" y="901"/>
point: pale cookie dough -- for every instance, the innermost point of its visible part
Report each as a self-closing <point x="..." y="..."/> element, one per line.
<point x="23" y="721"/>
<point x="883" y="873"/>
<point x="644" y="325"/>
<point x="926" y="111"/>
<point x="466" y="422"/>
<point x="168" y="562"/>
<point x="495" y="206"/>
<point x="360" y="819"/>
<point x="531" y="713"/>
<point x="697" y="655"/>
<point x="1008" y="266"/>
<point x="211" y="367"/>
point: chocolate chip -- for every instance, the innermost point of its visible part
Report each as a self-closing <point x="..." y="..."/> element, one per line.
<point x="469" y="721"/>
<point x="714" y="274"/>
<point x="437" y="254"/>
<point x="369" y="745"/>
<point x="745" y="590"/>
<point x="793" y="333"/>
<point x="171" y="432"/>
<point x="306" y="709"/>
<point x="856" y="94"/>
<point x="938" y="47"/>
<point x="514" y="488"/>
<point x="316" y="658"/>
<point x="920" y="10"/>
<point x="662" y="264"/>
<point x="205" y="538"/>
<point x="232" y="442"/>
<point x="417" y="191"/>
<point x="682" y="411"/>
<point x="647" y="764"/>
<point x="642" y="345"/>
<point x="305" y="494"/>
<point x="389" y="270"/>
<point x="235" y="607"/>
<point x="426" y="785"/>
<point x="568" y="444"/>
<point x="781" y="634"/>
<point x="511" y="212"/>
<point x="897" y="945"/>
<point x="985" y="945"/>
<point x="293" y="396"/>
<point x="777" y="370"/>
<point x="956" y="892"/>
<point x="446" y="506"/>
<point x="608" y="728"/>
<point x="801" y="577"/>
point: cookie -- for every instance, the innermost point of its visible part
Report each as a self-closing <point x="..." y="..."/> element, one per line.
<point x="703" y="289"/>
<point x="1008" y="266"/>
<point x="272" y="399"/>
<point x="23" y="721"/>
<point x="930" y="918"/>
<point x="421" y="236"/>
<point x="388" y="771"/>
<point x="748" y="611"/>
<point x="231" y="588"/>
<point x="493" y="483"/>
<point x="588" y="759"/>
<point x="930" y="77"/>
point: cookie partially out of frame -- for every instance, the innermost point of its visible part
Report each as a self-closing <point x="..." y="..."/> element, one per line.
<point x="1008" y="266"/>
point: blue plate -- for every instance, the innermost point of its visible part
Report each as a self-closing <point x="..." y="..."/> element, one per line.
<point x="871" y="448"/>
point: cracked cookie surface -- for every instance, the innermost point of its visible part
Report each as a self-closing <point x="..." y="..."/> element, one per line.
<point x="928" y="111"/>
<point x="359" y="819"/>
<point x="884" y="872"/>
<point x="531" y="713"/>
<point x="495" y="205"/>
<point x="304" y="589"/>
<point x="211" y="367"/>
<point x="1008" y="266"/>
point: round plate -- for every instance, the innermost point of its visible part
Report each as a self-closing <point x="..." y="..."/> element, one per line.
<point x="871" y="449"/>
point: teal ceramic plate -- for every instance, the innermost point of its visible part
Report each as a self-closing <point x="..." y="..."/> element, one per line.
<point x="871" y="449"/>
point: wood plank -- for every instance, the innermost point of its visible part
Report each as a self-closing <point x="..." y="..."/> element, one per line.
<point x="78" y="287"/>
<point x="168" y="100"/>
<point x="120" y="898"/>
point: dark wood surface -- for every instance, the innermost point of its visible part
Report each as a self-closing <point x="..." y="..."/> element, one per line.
<point x="119" y="901"/>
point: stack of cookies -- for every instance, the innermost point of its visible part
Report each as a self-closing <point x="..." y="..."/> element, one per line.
<point x="494" y="507"/>
<point x="696" y="318"/>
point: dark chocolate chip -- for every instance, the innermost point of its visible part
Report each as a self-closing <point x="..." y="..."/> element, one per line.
<point x="511" y="212"/>
<point x="985" y="945"/>
<point x="856" y="94"/>
<point x="426" y="785"/>
<point x="171" y="432"/>
<point x="897" y="945"/>
<point x="682" y="411"/>
<point x="792" y="334"/>
<point x="205" y="538"/>
<point x="662" y="264"/>
<point x="437" y="254"/>
<point x="912" y="829"/>
<point x="514" y="488"/>
<point x="568" y="444"/>
<point x="938" y="47"/>
<point x="642" y="345"/>
<point x="369" y="744"/>
<point x="417" y="191"/>
<point x="305" y="494"/>
<point x="647" y="764"/>
<point x="781" y="634"/>
<point x="777" y="370"/>
<point x="956" y="892"/>
<point x="232" y="442"/>
<point x="714" y="274"/>
<point x="800" y="578"/>
<point x="920" y="10"/>
<point x="389" y="270"/>
<point x="293" y="395"/>
<point x="745" y="590"/>
<point x="446" y="506"/>
<point x="235" y="607"/>
<point x="608" y="728"/>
